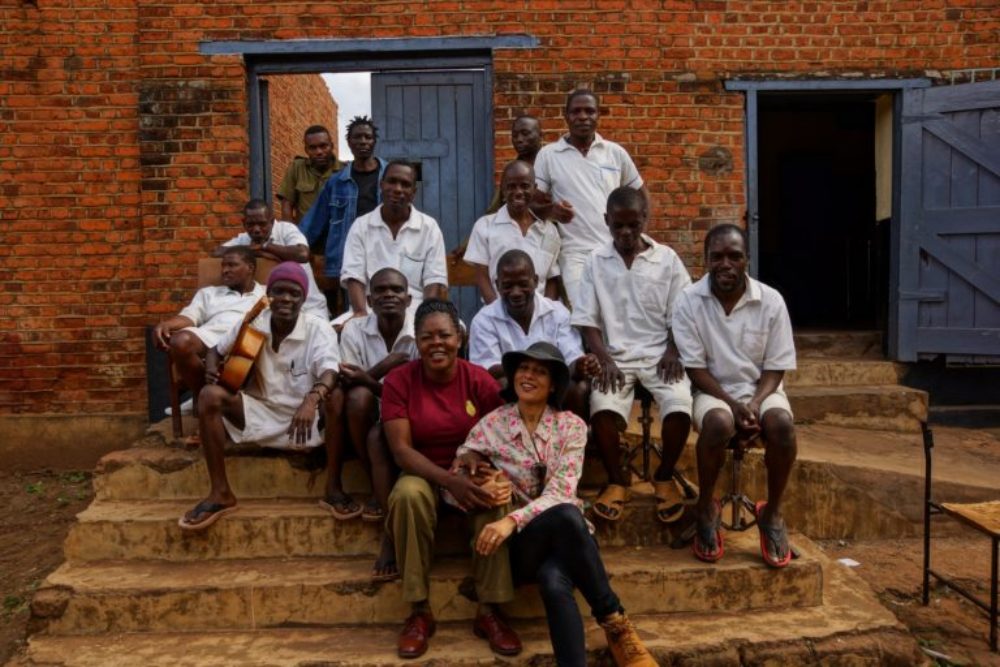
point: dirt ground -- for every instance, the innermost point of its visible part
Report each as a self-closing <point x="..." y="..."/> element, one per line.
<point x="36" y="510"/>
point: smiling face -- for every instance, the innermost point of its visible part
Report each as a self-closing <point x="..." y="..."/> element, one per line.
<point x="399" y="185"/>
<point x="518" y="187"/>
<point x="362" y="142"/>
<point x="438" y="340"/>
<point x="516" y="284"/>
<point x="389" y="294"/>
<point x="319" y="148"/>
<point x="258" y="222"/>
<point x="532" y="382"/>
<point x="286" y="301"/>
<point x="581" y="117"/>
<point x="726" y="261"/>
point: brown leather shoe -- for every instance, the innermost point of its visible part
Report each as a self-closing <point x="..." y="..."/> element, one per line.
<point x="419" y="627"/>
<point x="502" y="638"/>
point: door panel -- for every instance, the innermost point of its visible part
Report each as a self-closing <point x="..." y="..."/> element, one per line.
<point x="440" y="119"/>
<point x="948" y="301"/>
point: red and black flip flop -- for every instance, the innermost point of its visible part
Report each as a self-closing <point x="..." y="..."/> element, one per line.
<point x="773" y="535"/>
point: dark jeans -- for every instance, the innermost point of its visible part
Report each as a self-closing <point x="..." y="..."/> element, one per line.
<point x="557" y="552"/>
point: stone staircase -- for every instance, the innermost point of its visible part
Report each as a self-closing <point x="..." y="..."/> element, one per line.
<point x="281" y="583"/>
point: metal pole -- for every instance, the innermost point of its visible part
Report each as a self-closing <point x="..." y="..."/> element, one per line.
<point x="928" y="445"/>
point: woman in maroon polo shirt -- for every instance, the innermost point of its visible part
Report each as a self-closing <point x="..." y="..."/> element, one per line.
<point x="428" y="408"/>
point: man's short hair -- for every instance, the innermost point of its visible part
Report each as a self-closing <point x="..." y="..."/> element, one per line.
<point x="727" y="228"/>
<point x="514" y="257"/>
<point x="510" y="165"/>
<point x="402" y="163"/>
<point x="315" y="129"/>
<point x="245" y="253"/>
<point x="257" y="204"/>
<point x="626" y="197"/>
<point x="582" y="92"/>
<point x="361" y="120"/>
<point x="385" y="271"/>
<point x="524" y="116"/>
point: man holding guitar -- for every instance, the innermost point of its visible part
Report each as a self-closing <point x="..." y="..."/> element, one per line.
<point x="294" y="371"/>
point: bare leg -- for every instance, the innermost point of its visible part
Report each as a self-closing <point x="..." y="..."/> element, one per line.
<point x="215" y="403"/>
<point x="333" y="440"/>
<point x="716" y="430"/>
<point x="604" y="426"/>
<point x="673" y="434"/>
<point x="577" y="399"/>
<point x="187" y="352"/>
<point x="781" y="449"/>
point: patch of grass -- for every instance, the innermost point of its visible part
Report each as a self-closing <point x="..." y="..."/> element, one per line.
<point x="74" y="477"/>
<point x="35" y="488"/>
<point x="14" y="604"/>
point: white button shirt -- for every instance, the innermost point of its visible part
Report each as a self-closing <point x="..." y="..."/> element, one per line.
<point x="287" y="234"/>
<point x="215" y="309"/>
<point x="632" y="307"/>
<point x="585" y="182"/>
<point x="417" y="251"/>
<point x="755" y="337"/>
<point x="362" y="345"/>
<point x="283" y="378"/>
<point x="494" y="332"/>
<point x="493" y="235"/>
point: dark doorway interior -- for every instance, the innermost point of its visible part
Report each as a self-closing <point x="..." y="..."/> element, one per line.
<point x="819" y="241"/>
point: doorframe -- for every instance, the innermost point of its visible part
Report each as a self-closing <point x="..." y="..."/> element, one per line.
<point x="751" y="149"/>
<point x="311" y="56"/>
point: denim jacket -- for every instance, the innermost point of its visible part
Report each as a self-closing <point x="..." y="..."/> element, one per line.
<point x="335" y="209"/>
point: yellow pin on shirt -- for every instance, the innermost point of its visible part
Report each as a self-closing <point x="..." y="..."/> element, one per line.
<point x="470" y="409"/>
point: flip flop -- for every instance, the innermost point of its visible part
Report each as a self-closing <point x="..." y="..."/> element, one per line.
<point x="214" y="512"/>
<point x="340" y="506"/>
<point x="612" y="498"/>
<point x="773" y="535"/>
<point x="670" y="500"/>
<point x="373" y="512"/>
<point x="704" y="534"/>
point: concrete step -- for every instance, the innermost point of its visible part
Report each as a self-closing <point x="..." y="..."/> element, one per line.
<point x="284" y="528"/>
<point x="846" y="372"/>
<point x="142" y="596"/>
<point x="886" y="407"/>
<point x="858" y="344"/>
<point x="850" y="627"/>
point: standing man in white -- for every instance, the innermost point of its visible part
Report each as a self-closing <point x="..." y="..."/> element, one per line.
<point x="579" y="171"/>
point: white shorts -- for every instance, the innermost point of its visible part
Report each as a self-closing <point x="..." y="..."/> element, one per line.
<point x="266" y="424"/>
<point x="206" y="335"/>
<point x="670" y="397"/>
<point x="571" y="272"/>
<point x="703" y="403"/>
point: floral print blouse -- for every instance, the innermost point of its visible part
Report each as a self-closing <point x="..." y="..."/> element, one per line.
<point x="559" y="439"/>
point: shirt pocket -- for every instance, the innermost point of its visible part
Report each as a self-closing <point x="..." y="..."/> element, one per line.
<point x="413" y="268"/>
<point x="651" y="294"/>
<point x="610" y="177"/>
<point x="753" y="343"/>
<point x="338" y="210"/>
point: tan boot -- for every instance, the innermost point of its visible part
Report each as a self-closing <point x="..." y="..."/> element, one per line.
<point x="624" y="643"/>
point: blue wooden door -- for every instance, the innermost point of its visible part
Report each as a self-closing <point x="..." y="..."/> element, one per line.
<point x="441" y="120"/>
<point x="947" y="300"/>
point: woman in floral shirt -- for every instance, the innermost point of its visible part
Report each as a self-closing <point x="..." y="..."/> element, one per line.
<point x="540" y="448"/>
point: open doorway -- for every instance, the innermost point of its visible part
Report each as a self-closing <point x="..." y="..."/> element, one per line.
<point x="823" y="220"/>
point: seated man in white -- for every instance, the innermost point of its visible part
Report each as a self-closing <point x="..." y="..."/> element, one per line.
<point x="280" y="403"/>
<point x="398" y="236"/>
<point x="370" y="347"/>
<point x="515" y="227"/>
<point x="521" y="317"/>
<point x="280" y="241"/>
<point x="735" y="340"/>
<point x="624" y="306"/>
<point x="213" y="311"/>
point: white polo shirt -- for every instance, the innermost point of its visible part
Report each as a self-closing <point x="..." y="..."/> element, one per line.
<point x="493" y="235"/>
<point x="632" y="307"/>
<point x="215" y="309"/>
<point x="417" y="251"/>
<point x="283" y="378"/>
<point x="735" y="348"/>
<point x="287" y="234"/>
<point x="362" y="345"/>
<point x="585" y="182"/>
<point x="494" y="332"/>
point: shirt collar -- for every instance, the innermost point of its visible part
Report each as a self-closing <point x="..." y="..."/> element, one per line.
<point x="542" y="307"/>
<point x="371" y="326"/>
<point x="654" y="253"/>
<point x="502" y="216"/>
<point x="546" y="428"/>
<point x="564" y="145"/>
<point x="703" y="288"/>
<point x="415" y="221"/>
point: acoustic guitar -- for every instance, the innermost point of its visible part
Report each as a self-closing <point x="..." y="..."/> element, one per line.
<point x="238" y="364"/>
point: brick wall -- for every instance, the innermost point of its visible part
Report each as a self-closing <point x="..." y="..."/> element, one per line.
<point x="120" y="163"/>
<point x="295" y="103"/>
